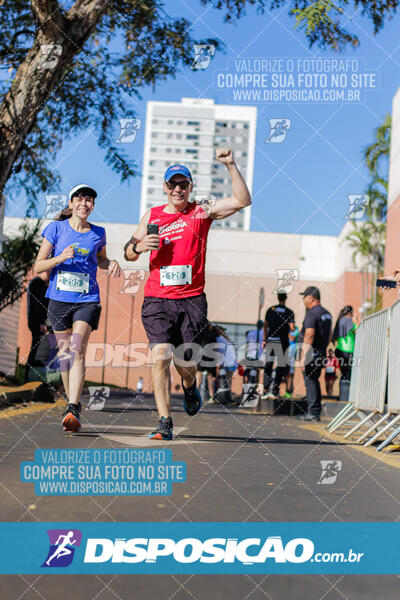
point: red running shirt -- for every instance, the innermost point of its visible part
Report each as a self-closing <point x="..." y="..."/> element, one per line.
<point x="183" y="242"/>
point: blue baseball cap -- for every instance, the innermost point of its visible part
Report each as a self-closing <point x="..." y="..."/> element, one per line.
<point x="177" y="170"/>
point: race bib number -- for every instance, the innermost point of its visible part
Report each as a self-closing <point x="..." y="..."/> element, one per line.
<point x="73" y="282"/>
<point x="176" y="275"/>
<point x="330" y="369"/>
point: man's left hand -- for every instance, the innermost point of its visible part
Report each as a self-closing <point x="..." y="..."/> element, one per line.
<point x="224" y="156"/>
<point x="114" y="270"/>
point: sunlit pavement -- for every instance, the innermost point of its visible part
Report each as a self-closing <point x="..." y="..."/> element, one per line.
<point x="240" y="467"/>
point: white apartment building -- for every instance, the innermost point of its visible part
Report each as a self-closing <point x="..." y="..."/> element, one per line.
<point x="188" y="132"/>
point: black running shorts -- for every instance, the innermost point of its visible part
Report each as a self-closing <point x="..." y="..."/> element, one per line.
<point x="62" y="315"/>
<point x="169" y="321"/>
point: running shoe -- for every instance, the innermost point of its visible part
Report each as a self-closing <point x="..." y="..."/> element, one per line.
<point x="269" y="396"/>
<point x="192" y="399"/>
<point x="163" y="431"/>
<point x="71" y="417"/>
<point x="287" y="395"/>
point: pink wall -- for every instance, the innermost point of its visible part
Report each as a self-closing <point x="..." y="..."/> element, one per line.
<point x="231" y="299"/>
<point x="392" y="252"/>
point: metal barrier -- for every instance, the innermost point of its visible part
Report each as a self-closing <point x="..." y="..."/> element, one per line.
<point x="394" y="360"/>
<point x="369" y="373"/>
<point x="374" y="361"/>
<point x="349" y="410"/>
<point x="393" y="408"/>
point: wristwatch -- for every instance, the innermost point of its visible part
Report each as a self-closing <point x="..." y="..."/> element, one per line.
<point x="134" y="248"/>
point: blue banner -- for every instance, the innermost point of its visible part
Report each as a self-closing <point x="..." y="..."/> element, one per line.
<point x="213" y="548"/>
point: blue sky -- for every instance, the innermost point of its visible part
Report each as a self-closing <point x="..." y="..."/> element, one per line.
<point x="300" y="185"/>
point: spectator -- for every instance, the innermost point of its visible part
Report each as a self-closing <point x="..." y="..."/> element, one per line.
<point x="331" y="366"/>
<point x="315" y="336"/>
<point x="227" y="349"/>
<point x="344" y="335"/>
<point x="208" y="363"/>
<point x="279" y="321"/>
<point x="37" y="305"/>
<point x="254" y="351"/>
<point x="139" y="385"/>
<point x="44" y="360"/>
<point x="293" y="336"/>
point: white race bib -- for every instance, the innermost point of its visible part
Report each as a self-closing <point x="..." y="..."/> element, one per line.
<point x="330" y="369"/>
<point x="73" y="282"/>
<point x="176" y="275"/>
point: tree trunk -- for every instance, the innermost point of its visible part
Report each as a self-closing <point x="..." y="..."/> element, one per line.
<point x="35" y="80"/>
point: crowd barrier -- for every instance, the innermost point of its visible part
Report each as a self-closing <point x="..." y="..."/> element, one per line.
<point x="375" y="379"/>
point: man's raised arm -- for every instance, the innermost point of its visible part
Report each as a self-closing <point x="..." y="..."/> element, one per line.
<point x="240" y="194"/>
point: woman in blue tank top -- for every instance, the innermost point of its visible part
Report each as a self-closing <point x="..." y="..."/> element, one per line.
<point x="76" y="248"/>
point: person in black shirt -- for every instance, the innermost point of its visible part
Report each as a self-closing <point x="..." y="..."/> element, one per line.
<point x="279" y="320"/>
<point x="315" y="335"/>
<point x="37" y="304"/>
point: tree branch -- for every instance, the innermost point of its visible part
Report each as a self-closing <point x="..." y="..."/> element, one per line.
<point x="49" y="15"/>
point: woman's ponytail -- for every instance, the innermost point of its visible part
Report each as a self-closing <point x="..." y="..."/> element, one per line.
<point x="65" y="214"/>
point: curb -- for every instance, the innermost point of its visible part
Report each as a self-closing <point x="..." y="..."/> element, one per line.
<point x="33" y="391"/>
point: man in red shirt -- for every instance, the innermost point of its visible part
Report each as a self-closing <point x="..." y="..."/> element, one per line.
<point x="174" y="311"/>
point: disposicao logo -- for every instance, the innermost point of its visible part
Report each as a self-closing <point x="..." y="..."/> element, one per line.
<point x="62" y="547"/>
<point x="190" y="550"/>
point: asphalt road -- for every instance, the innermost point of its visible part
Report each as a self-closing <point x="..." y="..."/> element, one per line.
<point x="240" y="467"/>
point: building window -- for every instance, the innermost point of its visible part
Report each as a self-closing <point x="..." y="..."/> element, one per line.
<point x="191" y="151"/>
<point x="154" y="134"/>
<point x="192" y="136"/>
<point x="245" y="126"/>
<point x="155" y="121"/>
<point x="179" y="122"/>
<point x="193" y="122"/>
<point x="170" y="122"/>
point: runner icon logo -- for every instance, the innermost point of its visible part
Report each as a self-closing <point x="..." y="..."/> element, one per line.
<point x="278" y="130"/>
<point x="98" y="397"/>
<point x="128" y="130"/>
<point x="357" y="205"/>
<point x="62" y="547"/>
<point x="330" y="470"/>
<point x="286" y="280"/>
<point x="202" y="56"/>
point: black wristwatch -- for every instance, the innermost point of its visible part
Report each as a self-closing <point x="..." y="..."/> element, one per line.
<point x="134" y="248"/>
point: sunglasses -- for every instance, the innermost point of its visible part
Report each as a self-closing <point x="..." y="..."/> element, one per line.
<point x="171" y="185"/>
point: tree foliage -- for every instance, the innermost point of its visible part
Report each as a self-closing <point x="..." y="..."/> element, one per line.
<point x="109" y="51"/>
<point x="367" y="238"/>
<point x="17" y="258"/>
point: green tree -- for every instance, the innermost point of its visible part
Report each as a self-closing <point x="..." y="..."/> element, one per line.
<point x="17" y="258"/>
<point x="367" y="238"/>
